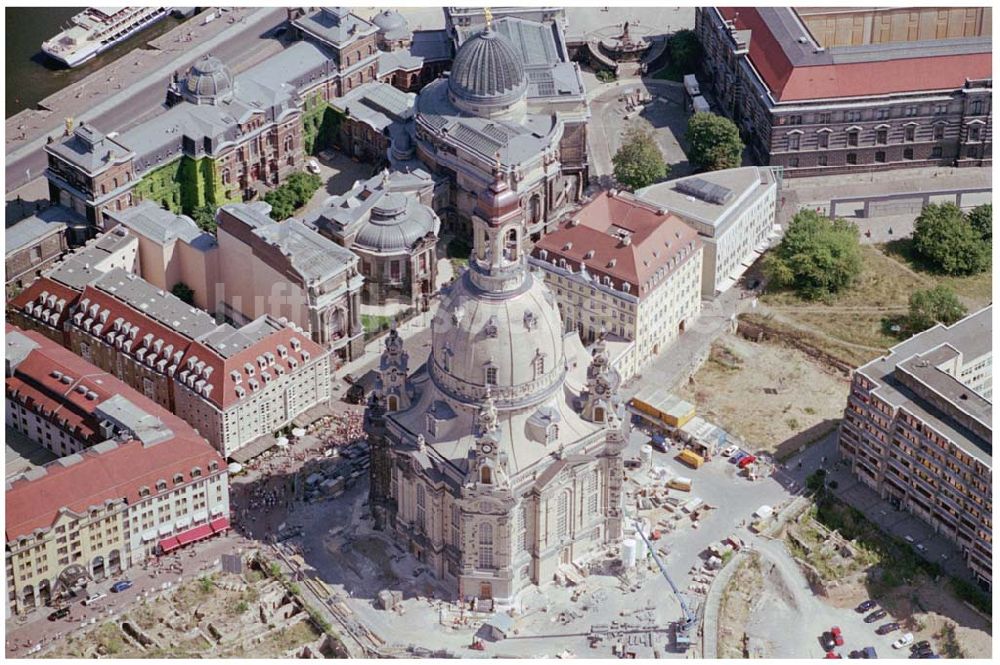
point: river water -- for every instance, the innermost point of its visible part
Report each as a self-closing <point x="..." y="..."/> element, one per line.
<point x="30" y="75"/>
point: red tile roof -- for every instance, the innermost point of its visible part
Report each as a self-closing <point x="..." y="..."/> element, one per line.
<point x="33" y="294"/>
<point x="145" y="325"/>
<point x="112" y="475"/>
<point x="655" y="238"/>
<point x="790" y="83"/>
<point x="223" y="393"/>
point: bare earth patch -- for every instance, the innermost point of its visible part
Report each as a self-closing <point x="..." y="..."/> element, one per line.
<point x="774" y="397"/>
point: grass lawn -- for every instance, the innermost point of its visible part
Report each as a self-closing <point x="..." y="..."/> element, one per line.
<point x="854" y="325"/>
<point x="975" y="291"/>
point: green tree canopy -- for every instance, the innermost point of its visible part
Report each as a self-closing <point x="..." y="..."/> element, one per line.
<point x="685" y="51"/>
<point x="639" y="161"/>
<point x="204" y="217"/>
<point x="714" y="142"/>
<point x="296" y="191"/>
<point x="184" y="292"/>
<point x="981" y="218"/>
<point x="817" y="256"/>
<point x="947" y="241"/>
<point x="935" y="305"/>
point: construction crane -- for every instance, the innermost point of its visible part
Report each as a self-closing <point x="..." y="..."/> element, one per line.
<point x="683" y="628"/>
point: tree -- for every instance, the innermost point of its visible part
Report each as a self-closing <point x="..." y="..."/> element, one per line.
<point x="685" y="51"/>
<point x="817" y="256"/>
<point x="714" y="142"/>
<point x="639" y="161"/>
<point x="293" y="194"/>
<point x="947" y="241"/>
<point x="981" y="218"/>
<point x="204" y="217"/>
<point x="184" y="292"/>
<point x="936" y="305"/>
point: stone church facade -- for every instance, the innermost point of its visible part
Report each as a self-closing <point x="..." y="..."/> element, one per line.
<point x="500" y="459"/>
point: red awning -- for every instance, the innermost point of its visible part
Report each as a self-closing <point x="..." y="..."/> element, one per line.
<point x="219" y="524"/>
<point x="197" y="533"/>
<point x="168" y="544"/>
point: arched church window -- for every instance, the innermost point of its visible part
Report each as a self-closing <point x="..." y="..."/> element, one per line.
<point x="562" y="515"/>
<point x="486" y="475"/>
<point x="486" y="545"/>
<point x="592" y="491"/>
<point x="510" y="247"/>
<point x="421" y="508"/>
<point x="393" y="403"/>
<point x="535" y="209"/>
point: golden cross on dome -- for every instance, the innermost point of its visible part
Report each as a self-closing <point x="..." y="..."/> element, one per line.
<point x="489" y="17"/>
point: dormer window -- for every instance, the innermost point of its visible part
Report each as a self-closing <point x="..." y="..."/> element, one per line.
<point x="161" y="485"/>
<point x="178" y="478"/>
<point x="196" y="472"/>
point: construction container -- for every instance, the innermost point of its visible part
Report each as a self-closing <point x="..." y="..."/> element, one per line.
<point x="661" y="407"/>
<point x="691" y="458"/>
<point x="680" y="483"/>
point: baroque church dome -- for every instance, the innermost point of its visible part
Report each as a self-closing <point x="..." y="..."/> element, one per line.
<point x="512" y="342"/>
<point x="487" y="72"/>
<point x="208" y="81"/>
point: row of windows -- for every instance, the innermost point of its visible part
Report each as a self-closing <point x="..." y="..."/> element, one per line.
<point x="976" y="107"/>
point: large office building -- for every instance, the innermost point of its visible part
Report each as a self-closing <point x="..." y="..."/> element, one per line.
<point x="839" y="90"/>
<point x="228" y="137"/>
<point x="168" y="350"/>
<point x="627" y="269"/>
<point x="289" y="271"/>
<point x="918" y="429"/>
<point x="733" y="211"/>
<point x="130" y="480"/>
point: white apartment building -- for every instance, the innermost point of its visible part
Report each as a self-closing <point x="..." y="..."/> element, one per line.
<point x="733" y="211"/>
<point x="238" y="386"/>
<point x="628" y="268"/>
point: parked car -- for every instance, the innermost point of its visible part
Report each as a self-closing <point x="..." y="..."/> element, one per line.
<point x="121" y="585"/>
<point x="838" y="636"/>
<point x="922" y="644"/>
<point x="887" y="628"/>
<point x="875" y="616"/>
<point x="59" y="614"/>
<point x="93" y="598"/>
<point x="926" y="652"/>
<point x="869" y="652"/>
<point x="831" y="655"/>
<point x="659" y="442"/>
<point x="312" y="166"/>
<point x="728" y="451"/>
<point x="907" y="638"/>
<point x="856" y="654"/>
<point x="827" y="641"/>
<point x="865" y="606"/>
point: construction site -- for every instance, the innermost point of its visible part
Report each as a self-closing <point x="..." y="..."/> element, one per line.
<point x="218" y="615"/>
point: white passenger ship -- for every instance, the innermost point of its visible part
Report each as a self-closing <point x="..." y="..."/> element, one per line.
<point x="97" y="29"/>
